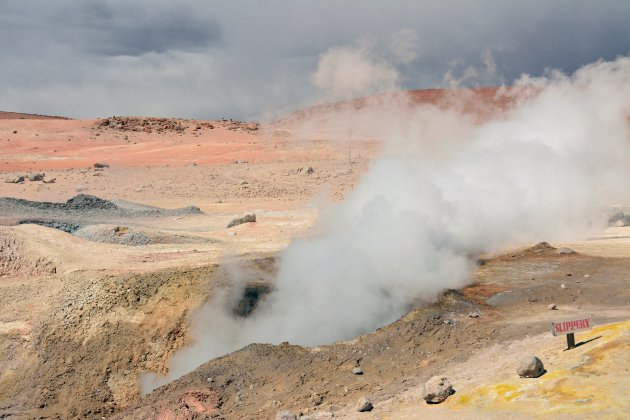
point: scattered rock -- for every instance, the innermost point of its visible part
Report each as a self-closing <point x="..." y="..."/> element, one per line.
<point x="364" y="405"/>
<point x="309" y="170"/>
<point x="100" y="165"/>
<point x="285" y="415"/>
<point x="357" y="370"/>
<point x="437" y="389"/>
<point x="530" y="367"/>
<point x="316" y="399"/>
<point x="141" y="124"/>
<point x="474" y="314"/>
<point x="35" y="176"/>
<point x="240" y="220"/>
<point x="14" y="179"/>
<point x="552" y="307"/>
<point x="565" y="251"/>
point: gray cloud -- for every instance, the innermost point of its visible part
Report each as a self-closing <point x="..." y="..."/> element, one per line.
<point x="111" y="28"/>
<point x="245" y="58"/>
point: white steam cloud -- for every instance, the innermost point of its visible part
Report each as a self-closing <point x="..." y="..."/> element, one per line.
<point x="350" y="71"/>
<point x="445" y="189"/>
<point x="405" y="46"/>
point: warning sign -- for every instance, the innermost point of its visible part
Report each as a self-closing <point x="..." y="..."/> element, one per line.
<point x="572" y="325"/>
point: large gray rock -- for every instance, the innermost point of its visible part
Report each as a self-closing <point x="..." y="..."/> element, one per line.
<point x="240" y="220"/>
<point x="357" y="370"/>
<point x="364" y="405"/>
<point x="285" y="415"/>
<point x="437" y="389"/>
<point x="619" y="219"/>
<point x="35" y="176"/>
<point x="530" y="367"/>
<point x="14" y="179"/>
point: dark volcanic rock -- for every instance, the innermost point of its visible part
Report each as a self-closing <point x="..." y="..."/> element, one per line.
<point x="240" y="220"/>
<point x="79" y="211"/>
<point x="55" y="224"/>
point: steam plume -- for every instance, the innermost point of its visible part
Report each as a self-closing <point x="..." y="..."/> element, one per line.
<point x="447" y="187"/>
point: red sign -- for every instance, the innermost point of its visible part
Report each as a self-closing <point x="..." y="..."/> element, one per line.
<point x="571" y="325"/>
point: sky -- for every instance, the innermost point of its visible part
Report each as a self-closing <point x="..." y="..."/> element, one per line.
<point x="247" y="59"/>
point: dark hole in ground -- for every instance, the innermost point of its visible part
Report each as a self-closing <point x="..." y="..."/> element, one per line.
<point x="251" y="296"/>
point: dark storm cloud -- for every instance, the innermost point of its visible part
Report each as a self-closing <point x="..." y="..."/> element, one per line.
<point x="243" y="58"/>
<point x="137" y="30"/>
<point x="108" y="28"/>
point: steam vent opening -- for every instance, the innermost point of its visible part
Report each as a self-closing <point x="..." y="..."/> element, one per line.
<point x="251" y="296"/>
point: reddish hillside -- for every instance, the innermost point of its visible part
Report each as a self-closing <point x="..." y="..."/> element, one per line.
<point x="483" y="101"/>
<point x="4" y="115"/>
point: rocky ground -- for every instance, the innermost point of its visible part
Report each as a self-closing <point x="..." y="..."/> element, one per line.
<point x="504" y="306"/>
<point x="102" y="269"/>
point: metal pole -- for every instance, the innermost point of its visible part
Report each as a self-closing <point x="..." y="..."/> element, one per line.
<point x="570" y="341"/>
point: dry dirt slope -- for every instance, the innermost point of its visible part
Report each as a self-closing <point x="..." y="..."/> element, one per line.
<point x="80" y="320"/>
<point x="479" y="354"/>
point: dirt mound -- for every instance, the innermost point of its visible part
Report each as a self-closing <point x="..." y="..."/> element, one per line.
<point x="79" y="211"/>
<point x="81" y="202"/>
<point x="93" y="339"/>
<point x="89" y="202"/>
<point x="124" y="235"/>
<point x="261" y="379"/>
<point x="16" y="260"/>
<point x="67" y="227"/>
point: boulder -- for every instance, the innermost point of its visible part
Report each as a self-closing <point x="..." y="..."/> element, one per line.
<point x="35" y="176"/>
<point x="14" y="179"/>
<point x="240" y="220"/>
<point x="437" y="389"/>
<point x="552" y="307"/>
<point x="619" y="219"/>
<point x="364" y="405"/>
<point x="565" y="251"/>
<point x="530" y="367"/>
<point x="357" y="370"/>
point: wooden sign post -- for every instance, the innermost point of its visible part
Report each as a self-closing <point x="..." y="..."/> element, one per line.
<point x="570" y="327"/>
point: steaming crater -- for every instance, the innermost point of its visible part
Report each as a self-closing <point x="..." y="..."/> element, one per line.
<point x="445" y="188"/>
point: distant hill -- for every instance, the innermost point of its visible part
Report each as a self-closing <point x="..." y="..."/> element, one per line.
<point x="4" y="115"/>
<point x="481" y="101"/>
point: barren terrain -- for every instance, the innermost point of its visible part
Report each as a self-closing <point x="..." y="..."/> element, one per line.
<point x="101" y="267"/>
